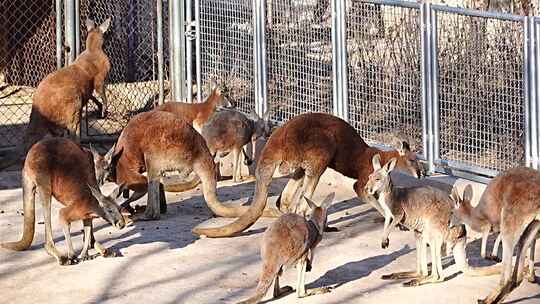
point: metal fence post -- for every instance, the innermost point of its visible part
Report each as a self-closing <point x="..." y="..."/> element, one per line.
<point x="262" y="99"/>
<point x="344" y="101"/>
<point x="434" y="87"/>
<point x="427" y="82"/>
<point x="533" y="124"/>
<point x="336" y="62"/>
<point x="339" y="60"/>
<point x="189" y="53"/>
<point x="527" y="63"/>
<point x="159" y="36"/>
<point x="177" y="46"/>
<point x="70" y="28"/>
<point x="198" y="49"/>
<point x="77" y="28"/>
<point x="535" y="92"/>
<point x="59" y="39"/>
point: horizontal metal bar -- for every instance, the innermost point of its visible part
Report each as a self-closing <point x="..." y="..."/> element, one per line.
<point x="466" y="175"/>
<point x="392" y="3"/>
<point x="452" y="164"/>
<point x="477" y="13"/>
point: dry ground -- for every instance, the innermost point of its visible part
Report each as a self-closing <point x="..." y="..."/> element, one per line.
<point x="163" y="262"/>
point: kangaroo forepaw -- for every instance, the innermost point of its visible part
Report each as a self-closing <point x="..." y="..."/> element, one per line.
<point x="412" y="283"/>
<point x="482" y="301"/>
<point x="331" y="229"/>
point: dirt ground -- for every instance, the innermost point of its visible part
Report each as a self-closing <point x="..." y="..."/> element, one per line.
<point x="163" y="262"/>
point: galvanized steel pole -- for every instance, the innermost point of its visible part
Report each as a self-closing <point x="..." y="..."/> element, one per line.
<point x="69" y="13"/>
<point x="59" y="40"/>
<point x="159" y="36"/>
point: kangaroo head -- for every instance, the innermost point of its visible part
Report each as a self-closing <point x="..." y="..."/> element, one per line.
<point x="102" y="164"/>
<point x="319" y="213"/>
<point x="110" y="210"/>
<point x="219" y="99"/>
<point x="462" y="204"/>
<point x="408" y="162"/>
<point x="95" y="33"/>
<point x="379" y="181"/>
<point x="263" y="125"/>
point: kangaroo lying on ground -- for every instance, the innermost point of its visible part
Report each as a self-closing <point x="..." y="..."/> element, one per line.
<point x="305" y="146"/>
<point x="196" y="114"/>
<point x="59" y="98"/>
<point x="425" y="210"/>
<point x="291" y="239"/>
<point x="517" y="192"/>
<point x="157" y="142"/>
<point x="229" y="131"/>
<point x="61" y="168"/>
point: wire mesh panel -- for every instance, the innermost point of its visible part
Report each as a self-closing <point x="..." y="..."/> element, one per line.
<point x="384" y="73"/>
<point x="481" y="91"/>
<point x="131" y="45"/>
<point x="27" y="55"/>
<point x="226" y="46"/>
<point x="299" y="57"/>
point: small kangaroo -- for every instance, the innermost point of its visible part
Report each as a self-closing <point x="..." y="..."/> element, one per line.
<point x="59" y="98"/>
<point x="157" y="142"/>
<point x="518" y="192"/>
<point x="60" y="168"/>
<point x="229" y="131"/>
<point x="303" y="148"/>
<point x="291" y="239"/>
<point x="197" y="114"/>
<point x="425" y="210"/>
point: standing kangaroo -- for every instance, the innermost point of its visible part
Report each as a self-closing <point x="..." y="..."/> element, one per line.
<point x="197" y="114"/>
<point x="60" y="168"/>
<point x="305" y="146"/>
<point x="229" y="131"/>
<point x="517" y="192"/>
<point x="291" y="239"/>
<point x="157" y="142"/>
<point x="59" y="98"/>
<point x="425" y="210"/>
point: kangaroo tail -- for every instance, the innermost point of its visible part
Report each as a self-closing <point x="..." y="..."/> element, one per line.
<point x="29" y="196"/>
<point x="262" y="288"/>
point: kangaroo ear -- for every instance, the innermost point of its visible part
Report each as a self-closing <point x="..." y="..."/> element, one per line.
<point x="116" y="157"/>
<point x="328" y="200"/>
<point x="404" y="148"/>
<point x="93" y="151"/>
<point x="108" y="157"/>
<point x="390" y="165"/>
<point x="253" y="115"/>
<point x="468" y="193"/>
<point x="310" y="203"/>
<point x="454" y="195"/>
<point x="90" y="25"/>
<point x="376" y="161"/>
<point x="105" y="25"/>
<point x="96" y="193"/>
<point x="266" y="115"/>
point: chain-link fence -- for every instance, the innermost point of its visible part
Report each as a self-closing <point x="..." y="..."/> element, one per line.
<point x="131" y="45"/>
<point x="481" y="90"/>
<point x="299" y="57"/>
<point x="384" y="72"/>
<point x="226" y="49"/>
<point x="27" y="54"/>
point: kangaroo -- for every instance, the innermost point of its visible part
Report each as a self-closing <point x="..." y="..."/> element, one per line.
<point x="517" y="193"/>
<point x="229" y="131"/>
<point x="59" y="98"/>
<point x="197" y="114"/>
<point x="305" y="146"/>
<point x="291" y="239"/>
<point x="425" y="210"/>
<point x="60" y="168"/>
<point x="157" y="142"/>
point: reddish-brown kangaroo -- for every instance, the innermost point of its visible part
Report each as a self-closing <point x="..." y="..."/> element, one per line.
<point x="59" y="98"/>
<point x="157" y="142"/>
<point x="197" y="114"/>
<point x="517" y="192"/>
<point x="304" y="147"/>
<point x="60" y="168"/>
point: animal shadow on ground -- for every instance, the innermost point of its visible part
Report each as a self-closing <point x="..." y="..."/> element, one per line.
<point x="353" y="271"/>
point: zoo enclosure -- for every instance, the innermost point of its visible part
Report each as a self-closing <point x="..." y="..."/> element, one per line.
<point x="460" y="84"/>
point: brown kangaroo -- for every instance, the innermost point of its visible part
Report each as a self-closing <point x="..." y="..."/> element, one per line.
<point x="59" y="98"/>
<point x="197" y="114"/>
<point x="291" y="239"/>
<point x="60" y="168"/>
<point x="229" y="131"/>
<point x="305" y="146"/>
<point x="157" y="142"/>
<point x="518" y="192"/>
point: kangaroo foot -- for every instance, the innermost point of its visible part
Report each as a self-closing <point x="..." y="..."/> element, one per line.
<point x="87" y="257"/>
<point x="402" y="228"/>
<point x="331" y="229"/>
<point x="319" y="290"/>
<point x="401" y="275"/>
<point x="493" y="258"/>
<point x="66" y="261"/>
<point x="285" y="290"/>
<point x="423" y="280"/>
<point x="308" y="265"/>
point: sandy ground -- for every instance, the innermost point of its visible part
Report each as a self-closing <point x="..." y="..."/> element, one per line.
<point x="163" y="262"/>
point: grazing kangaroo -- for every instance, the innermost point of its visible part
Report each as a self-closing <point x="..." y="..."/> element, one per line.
<point x="425" y="210"/>
<point x="197" y="114"/>
<point x="517" y="193"/>
<point x="229" y="131"/>
<point x="291" y="239"/>
<point x="157" y="142"/>
<point x="60" y="168"/>
<point x="59" y="98"/>
<point x="305" y="146"/>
